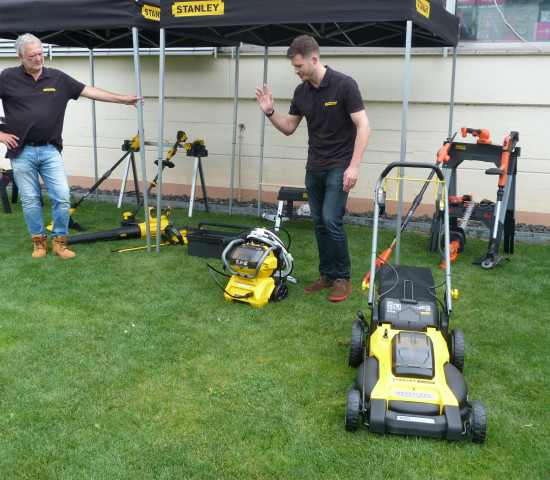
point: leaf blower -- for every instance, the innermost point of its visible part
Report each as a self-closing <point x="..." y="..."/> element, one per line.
<point x="124" y="233"/>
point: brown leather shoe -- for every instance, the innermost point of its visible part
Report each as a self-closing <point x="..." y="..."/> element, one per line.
<point x="320" y="284"/>
<point x="59" y="247"/>
<point x="40" y="246"/>
<point x="340" y="290"/>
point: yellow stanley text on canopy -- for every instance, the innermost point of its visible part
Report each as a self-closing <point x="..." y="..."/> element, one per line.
<point x="423" y="7"/>
<point x="199" y="8"/>
<point x="151" y="13"/>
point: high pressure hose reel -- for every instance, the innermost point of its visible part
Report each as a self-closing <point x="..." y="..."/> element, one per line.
<point x="260" y="266"/>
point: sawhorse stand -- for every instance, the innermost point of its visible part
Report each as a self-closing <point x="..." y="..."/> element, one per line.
<point x="5" y="180"/>
<point x="198" y="150"/>
<point x="483" y="211"/>
<point x="288" y="195"/>
<point x="130" y="162"/>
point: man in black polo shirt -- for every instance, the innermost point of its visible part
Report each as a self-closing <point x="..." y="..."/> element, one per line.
<point x="339" y="131"/>
<point x="35" y="99"/>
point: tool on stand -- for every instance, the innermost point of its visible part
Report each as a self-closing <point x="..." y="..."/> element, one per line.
<point x="493" y="257"/>
<point x="198" y="150"/>
<point x="498" y="217"/>
<point x="442" y="156"/>
<point x="458" y="234"/>
<point x="130" y="218"/>
<point x="484" y="137"/>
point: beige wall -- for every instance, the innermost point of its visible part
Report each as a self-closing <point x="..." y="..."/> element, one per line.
<point x="497" y="92"/>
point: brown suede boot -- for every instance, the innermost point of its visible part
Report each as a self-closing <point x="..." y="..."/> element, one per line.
<point x="59" y="247"/>
<point x="40" y="246"/>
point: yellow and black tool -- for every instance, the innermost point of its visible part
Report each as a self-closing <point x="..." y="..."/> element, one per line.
<point x="132" y="231"/>
<point x="171" y="236"/>
<point x="130" y="218"/>
<point x="259" y="265"/>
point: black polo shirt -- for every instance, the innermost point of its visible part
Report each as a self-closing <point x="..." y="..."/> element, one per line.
<point x="327" y="111"/>
<point x="35" y="110"/>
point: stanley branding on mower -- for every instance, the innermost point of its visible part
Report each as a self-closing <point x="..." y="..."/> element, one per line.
<point x="198" y="8"/>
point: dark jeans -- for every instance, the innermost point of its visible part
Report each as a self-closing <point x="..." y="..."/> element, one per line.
<point x="327" y="204"/>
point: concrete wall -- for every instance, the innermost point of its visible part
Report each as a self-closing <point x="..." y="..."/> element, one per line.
<point x="498" y="92"/>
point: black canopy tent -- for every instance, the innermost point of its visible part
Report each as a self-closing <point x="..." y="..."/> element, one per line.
<point x="374" y="23"/>
<point x="356" y="23"/>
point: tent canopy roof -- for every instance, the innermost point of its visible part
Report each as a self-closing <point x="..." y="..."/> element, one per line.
<point x="366" y="23"/>
<point x="93" y="23"/>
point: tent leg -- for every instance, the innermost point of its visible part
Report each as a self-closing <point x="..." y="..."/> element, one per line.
<point x="141" y="135"/>
<point x="94" y="131"/>
<point x="262" y="135"/>
<point x="160" y="152"/>
<point x="403" y="135"/>
<point x="235" y="104"/>
<point x="452" y="102"/>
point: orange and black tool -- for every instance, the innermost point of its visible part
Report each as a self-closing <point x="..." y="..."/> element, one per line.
<point x="484" y="137"/>
<point x="442" y="156"/>
<point x="457" y="235"/>
<point x="493" y="257"/>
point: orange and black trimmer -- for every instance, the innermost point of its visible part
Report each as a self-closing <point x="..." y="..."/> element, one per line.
<point x="442" y="156"/>
<point x="484" y="137"/>
<point x="458" y="234"/>
<point x="493" y="257"/>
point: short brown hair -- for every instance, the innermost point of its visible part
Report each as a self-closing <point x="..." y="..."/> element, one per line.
<point x="304" y="45"/>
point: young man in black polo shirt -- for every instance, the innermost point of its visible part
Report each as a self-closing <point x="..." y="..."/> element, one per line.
<point x="339" y="131"/>
<point x="34" y="99"/>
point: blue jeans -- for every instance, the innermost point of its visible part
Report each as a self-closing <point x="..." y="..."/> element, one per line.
<point x="327" y="204"/>
<point x="47" y="162"/>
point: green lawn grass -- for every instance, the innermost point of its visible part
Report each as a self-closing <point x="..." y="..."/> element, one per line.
<point x="134" y="366"/>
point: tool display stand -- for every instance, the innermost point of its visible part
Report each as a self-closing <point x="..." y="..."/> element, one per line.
<point x="289" y="195"/>
<point x="5" y="180"/>
<point x="198" y="150"/>
<point x="483" y="211"/>
<point x="130" y="162"/>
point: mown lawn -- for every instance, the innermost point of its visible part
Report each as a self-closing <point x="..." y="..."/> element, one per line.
<point x="134" y="366"/>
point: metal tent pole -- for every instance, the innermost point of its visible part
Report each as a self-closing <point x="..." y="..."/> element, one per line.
<point x="94" y="131"/>
<point x="160" y="152"/>
<point x="403" y="134"/>
<point x="452" y="105"/>
<point x="137" y="71"/>
<point x="235" y="105"/>
<point x="262" y="134"/>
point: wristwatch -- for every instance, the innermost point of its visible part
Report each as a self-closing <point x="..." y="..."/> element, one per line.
<point x="270" y="114"/>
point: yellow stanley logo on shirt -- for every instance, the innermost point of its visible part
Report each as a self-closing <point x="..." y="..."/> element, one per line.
<point x="423" y="7"/>
<point x="198" y="8"/>
<point x="151" y="13"/>
<point x="330" y="103"/>
<point x="48" y="89"/>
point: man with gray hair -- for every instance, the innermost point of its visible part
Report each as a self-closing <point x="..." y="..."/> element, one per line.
<point x="35" y="99"/>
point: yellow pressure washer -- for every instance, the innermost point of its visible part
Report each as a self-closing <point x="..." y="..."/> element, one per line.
<point x="259" y="265"/>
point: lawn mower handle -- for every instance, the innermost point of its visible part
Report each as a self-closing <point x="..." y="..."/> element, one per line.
<point x="393" y="165"/>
